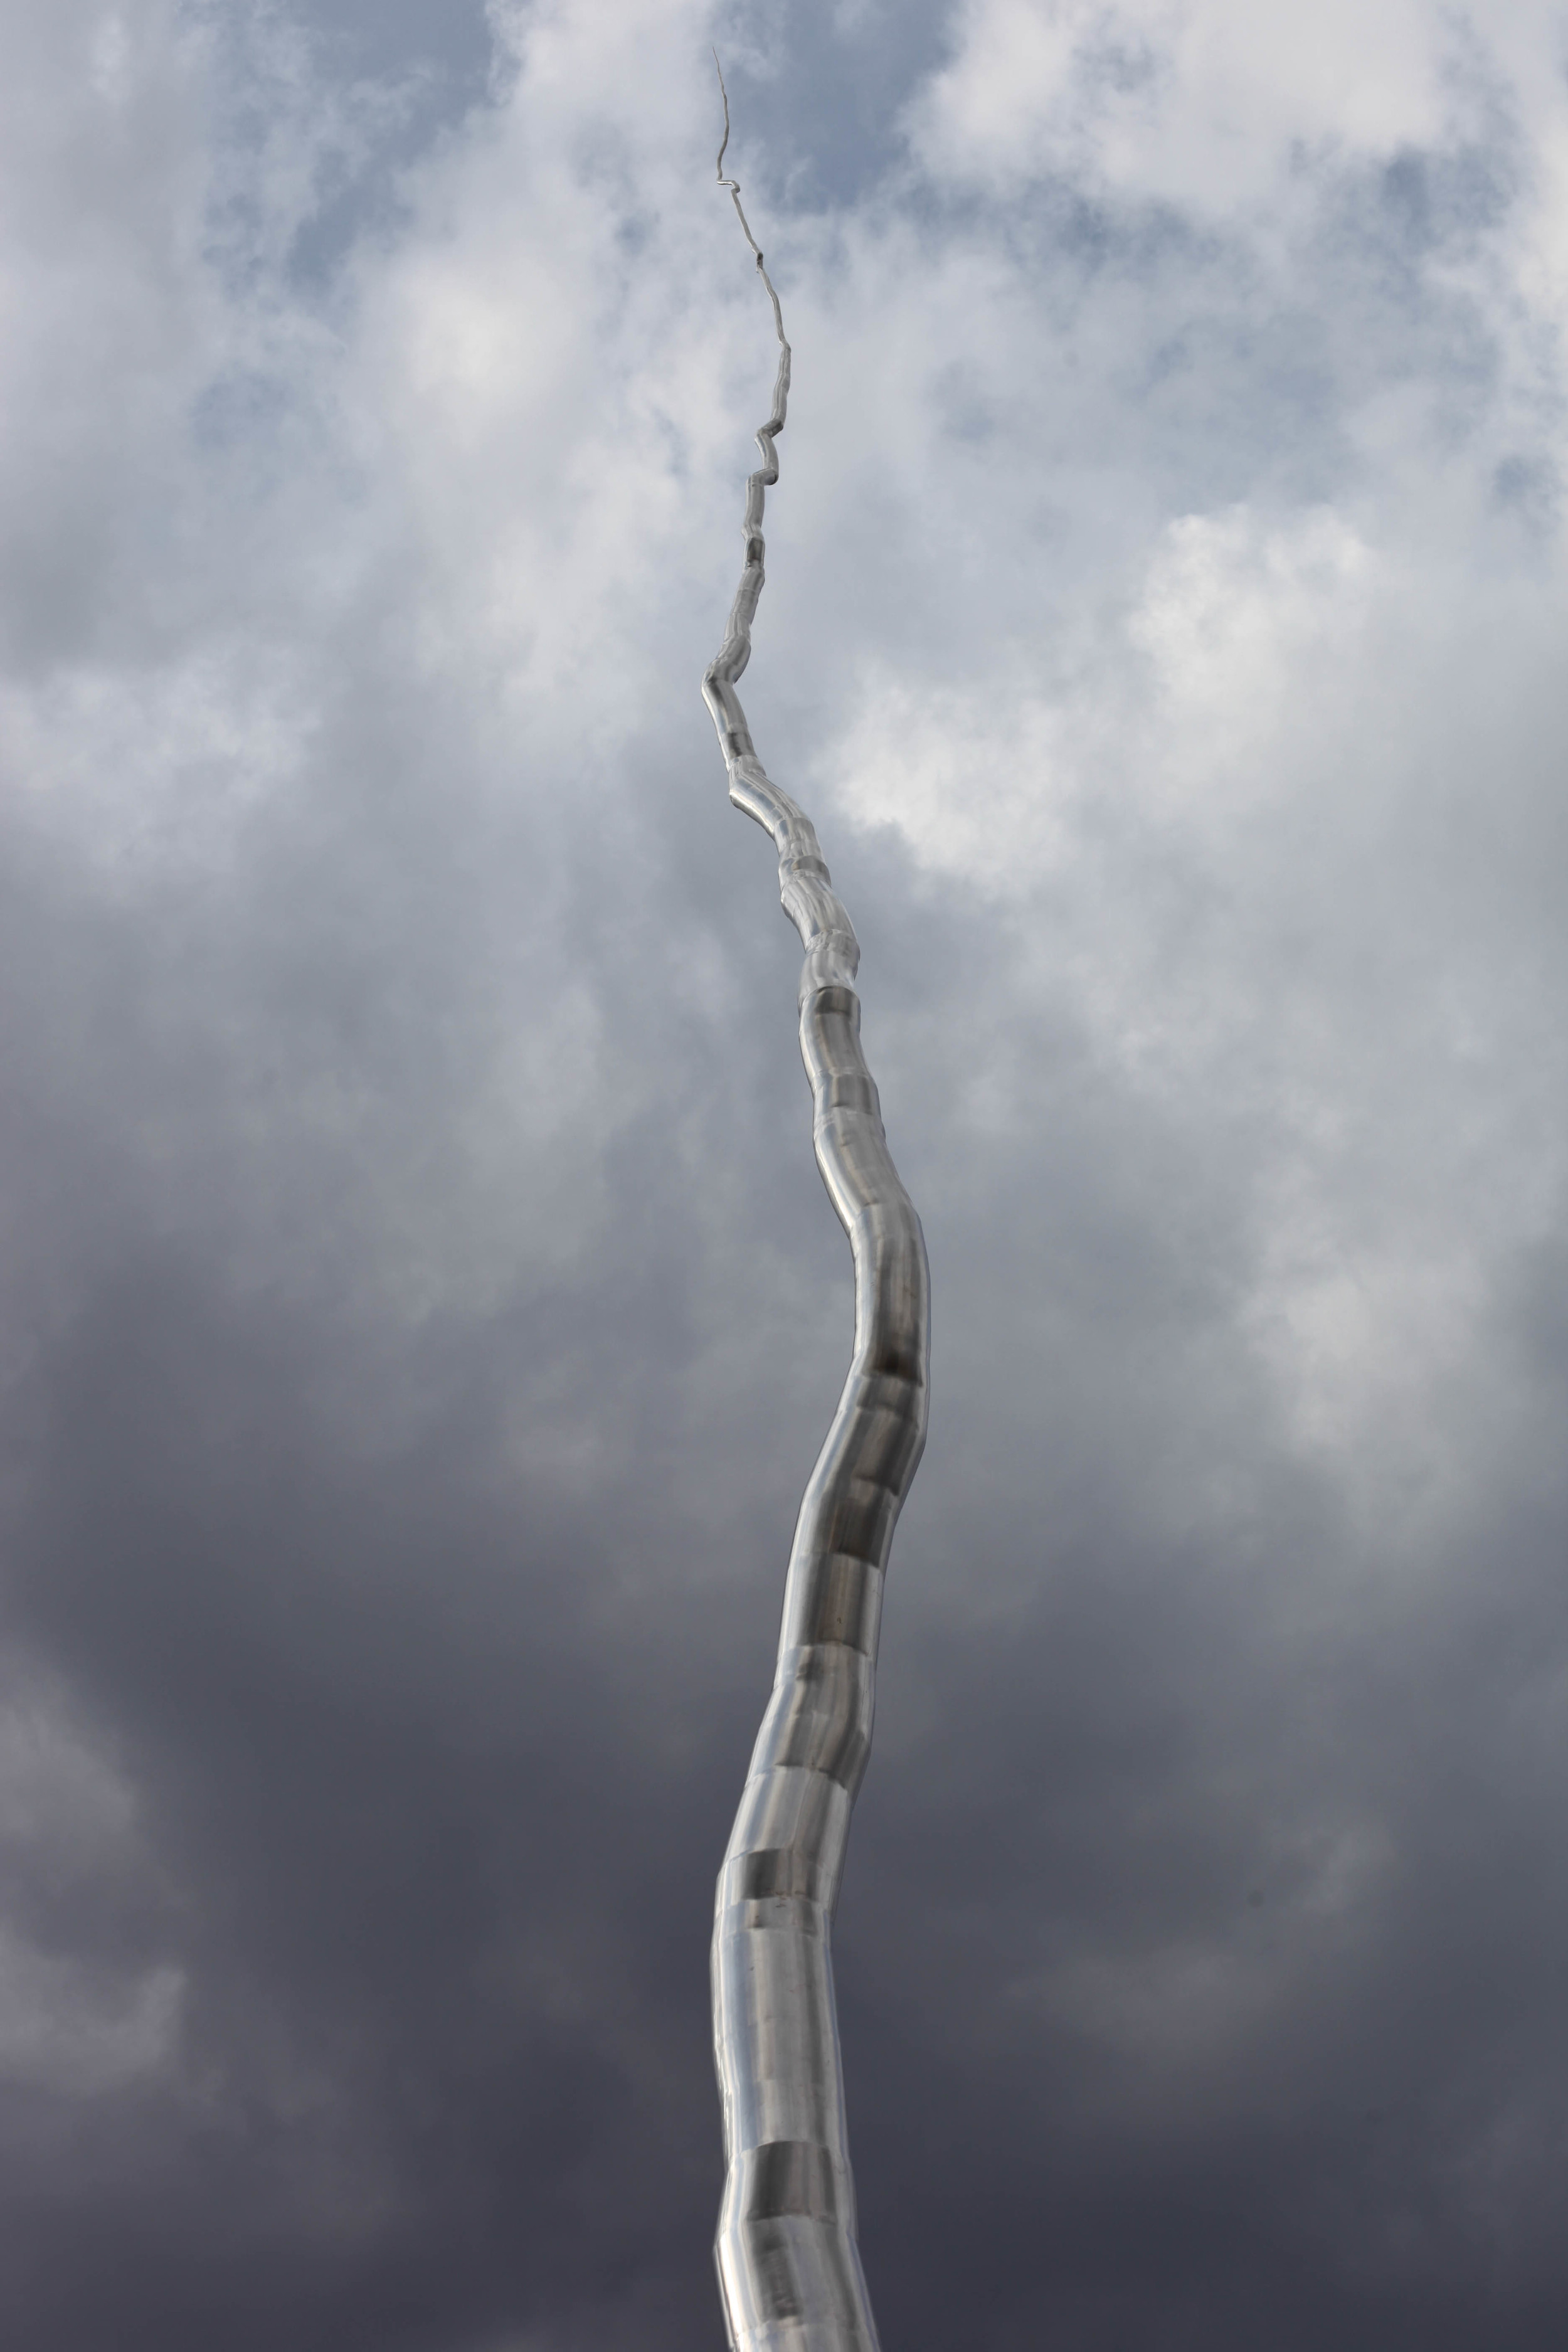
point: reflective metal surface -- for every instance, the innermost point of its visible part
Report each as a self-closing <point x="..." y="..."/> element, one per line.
<point x="789" y="2268"/>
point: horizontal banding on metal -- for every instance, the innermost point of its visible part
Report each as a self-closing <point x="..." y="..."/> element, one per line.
<point x="790" y="2175"/>
<point x="834" y="1596"/>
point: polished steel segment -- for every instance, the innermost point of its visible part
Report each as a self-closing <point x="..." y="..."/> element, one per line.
<point x="789" y="2268"/>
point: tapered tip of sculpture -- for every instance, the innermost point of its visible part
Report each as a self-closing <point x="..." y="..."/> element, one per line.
<point x="719" y="167"/>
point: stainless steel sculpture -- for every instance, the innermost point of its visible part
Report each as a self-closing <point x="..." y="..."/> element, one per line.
<point x="789" y="2268"/>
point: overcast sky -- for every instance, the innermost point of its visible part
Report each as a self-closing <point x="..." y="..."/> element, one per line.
<point x="419" y="1307"/>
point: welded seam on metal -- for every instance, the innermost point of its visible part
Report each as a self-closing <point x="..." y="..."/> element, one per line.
<point x="789" y="2267"/>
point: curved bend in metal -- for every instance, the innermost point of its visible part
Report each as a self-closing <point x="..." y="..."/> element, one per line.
<point x="789" y="2268"/>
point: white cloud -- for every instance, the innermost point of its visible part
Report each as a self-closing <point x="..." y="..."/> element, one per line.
<point x="1206" y="104"/>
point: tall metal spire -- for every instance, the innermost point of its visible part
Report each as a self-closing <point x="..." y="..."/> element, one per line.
<point x="789" y="2267"/>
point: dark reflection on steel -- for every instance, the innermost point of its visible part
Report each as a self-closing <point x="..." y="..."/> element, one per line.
<point x="789" y="2268"/>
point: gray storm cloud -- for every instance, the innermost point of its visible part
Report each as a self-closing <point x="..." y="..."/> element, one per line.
<point x="421" y="1313"/>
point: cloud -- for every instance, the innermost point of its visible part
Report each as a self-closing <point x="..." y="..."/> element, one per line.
<point x="60" y="2031"/>
<point x="1206" y="107"/>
